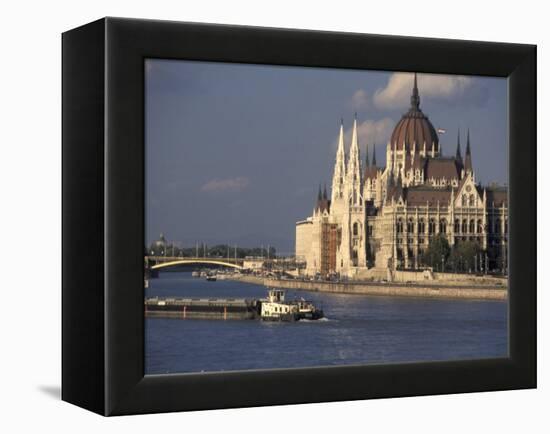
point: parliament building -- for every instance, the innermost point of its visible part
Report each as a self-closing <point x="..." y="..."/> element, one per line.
<point x="383" y="218"/>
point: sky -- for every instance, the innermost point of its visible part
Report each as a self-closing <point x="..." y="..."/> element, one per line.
<point x="235" y="153"/>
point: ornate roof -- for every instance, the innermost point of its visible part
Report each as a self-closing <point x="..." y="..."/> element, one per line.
<point x="439" y="168"/>
<point x="323" y="203"/>
<point x="371" y="172"/>
<point x="497" y="196"/>
<point x="414" y="127"/>
<point x="421" y="196"/>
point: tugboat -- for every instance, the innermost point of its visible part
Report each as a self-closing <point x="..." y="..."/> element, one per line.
<point x="275" y="308"/>
<point x="211" y="277"/>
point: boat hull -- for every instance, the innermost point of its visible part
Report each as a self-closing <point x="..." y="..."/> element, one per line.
<point x="295" y="316"/>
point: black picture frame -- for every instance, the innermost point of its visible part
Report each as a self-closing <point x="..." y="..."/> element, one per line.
<point x="103" y="215"/>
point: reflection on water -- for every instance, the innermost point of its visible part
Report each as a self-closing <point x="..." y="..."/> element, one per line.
<point x="357" y="330"/>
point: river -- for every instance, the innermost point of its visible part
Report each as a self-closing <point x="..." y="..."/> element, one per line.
<point x="358" y="329"/>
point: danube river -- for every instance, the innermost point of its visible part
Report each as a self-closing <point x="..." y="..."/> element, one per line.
<point x="357" y="329"/>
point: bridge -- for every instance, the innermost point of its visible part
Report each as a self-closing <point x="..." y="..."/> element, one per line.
<point x="160" y="262"/>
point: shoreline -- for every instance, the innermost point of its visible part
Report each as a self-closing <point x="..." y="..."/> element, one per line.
<point x="395" y="289"/>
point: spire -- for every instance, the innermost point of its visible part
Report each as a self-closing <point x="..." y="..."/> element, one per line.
<point x="468" y="160"/>
<point x="325" y="196"/>
<point x="415" y="97"/>
<point x="319" y="195"/>
<point x="353" y="171"/>
<point x="354" y="148"/>
<point x="339" y="167"/>
<point x="374" y="155"/>
<point x="367" y="163"/>
<point x="458" y="151"/>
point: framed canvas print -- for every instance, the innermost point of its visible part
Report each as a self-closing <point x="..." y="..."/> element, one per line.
<point x="260" y="216"/>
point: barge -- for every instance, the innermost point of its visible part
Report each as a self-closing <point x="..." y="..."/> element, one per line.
<point x="272" y="308"/>
<point x="202" y="308"/>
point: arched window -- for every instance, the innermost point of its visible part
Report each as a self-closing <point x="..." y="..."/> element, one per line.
<point x="431" y="226"/>
<point x="464" y="200"/>
<point x="399" y="225"/>
<point x="479" y="227"/>
<point x="399" y="252"/>
<point x="421" y="226"/>
<point x="472" y="226"/>
<point x="410" y="225"/>
<point x="442" y="226"/>
<point x="497" y="226"/>
<point x="464" y="226"/>
<point x="355" y="228"/>
<point x="472" y="200"/>
<point x="457" y="225"/>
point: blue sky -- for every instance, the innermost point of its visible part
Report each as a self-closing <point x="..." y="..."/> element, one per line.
<point x="235" y="153"/>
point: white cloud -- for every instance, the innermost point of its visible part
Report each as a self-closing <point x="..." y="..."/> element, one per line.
<point x="359" y="99"/>
<point x="397" y="92"/>
<point x="225" y="185"/>
<point x="370" y="131"/>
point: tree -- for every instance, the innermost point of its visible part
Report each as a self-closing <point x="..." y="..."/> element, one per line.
<point x="437" y="252"/>
<point x="463" y="255"/>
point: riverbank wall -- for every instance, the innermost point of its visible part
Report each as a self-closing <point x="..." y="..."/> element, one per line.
<point x="431" y="289"/>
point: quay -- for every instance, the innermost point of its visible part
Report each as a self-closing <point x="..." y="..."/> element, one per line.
<point x="431" y="289"/>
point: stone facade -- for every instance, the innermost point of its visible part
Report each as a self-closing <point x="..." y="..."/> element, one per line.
<point x="382" y="219"/>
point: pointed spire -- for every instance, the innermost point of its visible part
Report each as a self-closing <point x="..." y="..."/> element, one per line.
<point x="319" y="195"/>
<point x="374" y="155"/>
<point x="458" y="151"/>
<point x="468" y="160"/>
<point x="341" y="151"/>
<point x="339" y="167"/>
<point x="353" y="171"/>
<point x="341" y="136"/>
<point x="367" y="163"/>
<point x="325" y="196"/>
<point x="354" y="148"/>
<point x="415" y="97"/>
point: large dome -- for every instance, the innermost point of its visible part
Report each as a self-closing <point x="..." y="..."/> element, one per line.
<point x="414" y="126"/>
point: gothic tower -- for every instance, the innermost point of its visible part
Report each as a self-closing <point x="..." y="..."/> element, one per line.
<point x="353" y="221"/>
<point x="339" y="176"/>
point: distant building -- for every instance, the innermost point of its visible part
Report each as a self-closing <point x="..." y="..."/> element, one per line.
<point x="253" y="263"/>
<point x="380" y="218"/>
<point x="158" y="247"/>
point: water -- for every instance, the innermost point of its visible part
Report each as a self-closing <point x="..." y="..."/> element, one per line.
<point x="357" y="330"/>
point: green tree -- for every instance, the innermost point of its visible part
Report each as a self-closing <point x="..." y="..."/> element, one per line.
<point x="437" y="252"/>
<point x="463" y="255"/>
